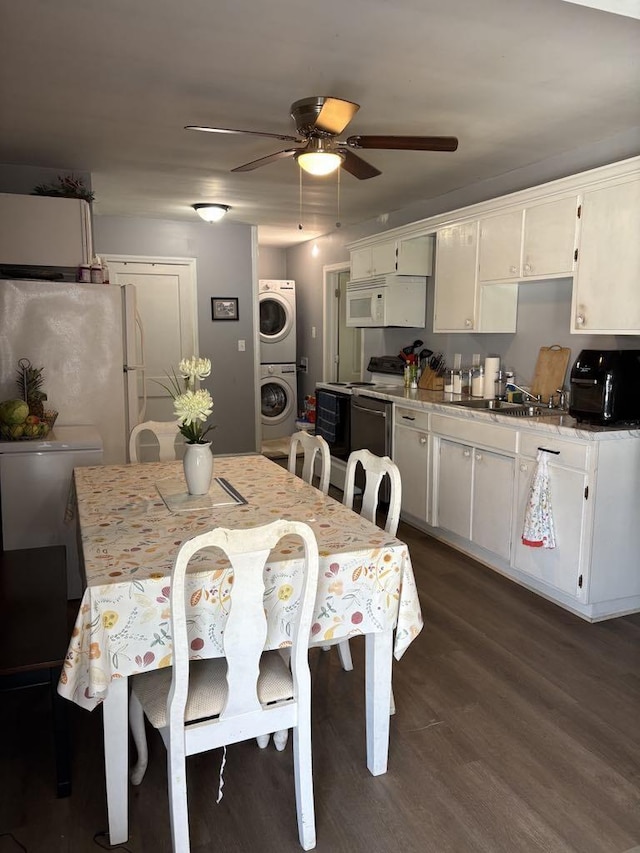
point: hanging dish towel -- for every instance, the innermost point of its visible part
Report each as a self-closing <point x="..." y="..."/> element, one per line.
<point x="538" y="531"/>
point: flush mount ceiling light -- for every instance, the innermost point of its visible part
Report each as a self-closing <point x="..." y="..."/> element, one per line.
<point x="211" y="212"/>
<point x="318" y="158"/>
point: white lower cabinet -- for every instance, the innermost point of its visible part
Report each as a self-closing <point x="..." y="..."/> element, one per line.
<point x="467" y="482"/>
<point x="411" y="449"/>
<point x="492" y="501"/>
<point x="473" y="495"/>
<point x="560" y="567"/>
<point x="452" y="493"/>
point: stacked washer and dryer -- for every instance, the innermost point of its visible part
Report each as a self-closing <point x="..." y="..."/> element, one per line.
<point x="278" y="382"/>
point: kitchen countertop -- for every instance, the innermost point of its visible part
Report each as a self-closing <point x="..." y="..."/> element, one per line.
<point x="441" y="402"/>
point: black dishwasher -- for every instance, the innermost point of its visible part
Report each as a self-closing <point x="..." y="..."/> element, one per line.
<point x="371" y="430"/>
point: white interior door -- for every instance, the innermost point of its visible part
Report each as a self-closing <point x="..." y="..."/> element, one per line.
<point x="349" y="339"/>
<point x="342" y="346"/>
<point x="166" y="302"/>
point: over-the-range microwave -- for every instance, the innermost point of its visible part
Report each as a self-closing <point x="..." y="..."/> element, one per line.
<point x="392" y="300"/>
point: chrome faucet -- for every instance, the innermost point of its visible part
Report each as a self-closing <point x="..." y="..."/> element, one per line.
<point x="536" y="398"/>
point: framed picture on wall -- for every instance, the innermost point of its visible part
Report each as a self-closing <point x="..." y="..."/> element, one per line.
<point x="224" y="308"/>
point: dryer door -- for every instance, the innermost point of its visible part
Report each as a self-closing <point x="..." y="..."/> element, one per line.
<point x="277" y="400"/>
<point x="276" y="318"/>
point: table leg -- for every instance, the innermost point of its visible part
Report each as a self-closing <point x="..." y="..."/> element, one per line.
<point x="116" y="758"/>
<point x="61" y="735"/>
<point x="379" y="654"/>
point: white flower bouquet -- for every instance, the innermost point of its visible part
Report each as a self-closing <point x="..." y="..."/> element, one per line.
<point x="192" y="406"/>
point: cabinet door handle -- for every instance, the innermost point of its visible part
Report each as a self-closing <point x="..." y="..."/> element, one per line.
<point x="524" y="468"/>
<point x="466" y="453"/>
<point x="580" y="320"/>
<point x="478" y="457"/>
<point x="468" y="323"/>
<point x="527" y="268"/>
<point x="423" y="439"/>
<point x="407" y="418"/>
<point x="513" y="270"/>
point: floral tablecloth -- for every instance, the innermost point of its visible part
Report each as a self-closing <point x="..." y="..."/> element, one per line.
<point x="130" y="539"/>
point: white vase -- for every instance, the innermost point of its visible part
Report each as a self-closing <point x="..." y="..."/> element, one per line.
<point x="198" y="468"/>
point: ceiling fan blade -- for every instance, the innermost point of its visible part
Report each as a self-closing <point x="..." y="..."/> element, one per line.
<point x="263" y="161"/>
<point x="406" y="143"/>
<point x="335" y="115"/>
<point x="281" y="136"/>
<point x="358" y="167"/>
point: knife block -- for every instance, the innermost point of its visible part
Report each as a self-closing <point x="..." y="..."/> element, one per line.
<point x="430" y="380"/>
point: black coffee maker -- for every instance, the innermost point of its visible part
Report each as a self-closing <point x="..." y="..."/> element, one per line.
<point x="605" y="387"/>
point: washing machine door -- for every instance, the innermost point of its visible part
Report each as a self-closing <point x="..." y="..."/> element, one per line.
<point x="276" y="318"/>
<point x="277" y="400"/>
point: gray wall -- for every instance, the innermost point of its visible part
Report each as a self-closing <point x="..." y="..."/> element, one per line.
<point x="272" y="263"/>
<point x="224" y="258"/>
<point x="543" y="309"/>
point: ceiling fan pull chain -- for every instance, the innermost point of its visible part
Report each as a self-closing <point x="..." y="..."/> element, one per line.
<point x="300" y="201"/>
<point x="338" y="223"/>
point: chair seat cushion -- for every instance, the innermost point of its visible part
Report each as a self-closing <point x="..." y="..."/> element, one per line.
<point x="208" y="688"/>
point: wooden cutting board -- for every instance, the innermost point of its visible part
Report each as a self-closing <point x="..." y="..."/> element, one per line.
<point x="550" y="371"/>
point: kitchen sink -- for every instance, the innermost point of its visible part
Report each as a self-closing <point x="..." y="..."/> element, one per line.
<point x="516" y="410"/>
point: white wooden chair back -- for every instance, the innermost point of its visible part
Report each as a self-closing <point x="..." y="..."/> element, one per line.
<point x="375" y="468"/>
<point x="165" y="432"/>
<point x="245" y="631"/>
<point x="204" y="704"/>
<point x="312" y="445"/>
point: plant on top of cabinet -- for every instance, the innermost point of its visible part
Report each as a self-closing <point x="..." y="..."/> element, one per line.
<point x="66" y="186"/>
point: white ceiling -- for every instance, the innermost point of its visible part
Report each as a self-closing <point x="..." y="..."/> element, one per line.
<point x="107" y="87"/>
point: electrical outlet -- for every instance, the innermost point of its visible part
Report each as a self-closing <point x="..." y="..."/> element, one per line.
<point x="242" y="346"/>
<point x="304" y="365"/>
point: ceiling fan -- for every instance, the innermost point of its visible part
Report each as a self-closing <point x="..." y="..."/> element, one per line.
<point x="319" y="120"/>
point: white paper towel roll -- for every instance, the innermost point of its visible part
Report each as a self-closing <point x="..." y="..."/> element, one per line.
<point x="491" y="368"/>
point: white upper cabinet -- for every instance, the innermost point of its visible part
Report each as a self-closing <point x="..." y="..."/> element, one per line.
<point x="377" y="259"/>
<point x="415" y="255"/>
<point x="403" y="256"/>
<point x="456" y="265"/>
<point x="549" y="241"/>
<point x="44" y="230"/>
<point x="606" y="291"/>
<point x="537" y="241"/>
<point x="460" y="304"/>
<point x="500" y="246"/>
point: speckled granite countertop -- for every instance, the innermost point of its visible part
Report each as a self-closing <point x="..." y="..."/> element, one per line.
<point x="438" y="401"/>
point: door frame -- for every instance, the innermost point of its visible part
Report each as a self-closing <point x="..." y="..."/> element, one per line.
<point x="330" y="276"/>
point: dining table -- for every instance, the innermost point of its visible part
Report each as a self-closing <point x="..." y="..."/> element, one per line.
<point x="132" y="519"/>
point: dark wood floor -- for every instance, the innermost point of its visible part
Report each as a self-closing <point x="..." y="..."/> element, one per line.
<point x="517" y="730"/>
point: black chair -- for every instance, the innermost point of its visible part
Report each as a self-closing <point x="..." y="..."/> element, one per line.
<point x="34" y="635"/>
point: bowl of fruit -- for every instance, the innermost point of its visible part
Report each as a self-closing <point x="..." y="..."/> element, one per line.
<point x="16" y="424"/>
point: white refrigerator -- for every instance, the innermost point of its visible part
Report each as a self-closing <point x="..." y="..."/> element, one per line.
<point x="89" y="342"/>
<point x="88" y="339"/>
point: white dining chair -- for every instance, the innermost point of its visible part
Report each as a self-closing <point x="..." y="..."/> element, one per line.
<point x="375" y="468"/>
<point x="165" y="432"/>
<point x="312" y="446"/>
<point x="201" y="705"/>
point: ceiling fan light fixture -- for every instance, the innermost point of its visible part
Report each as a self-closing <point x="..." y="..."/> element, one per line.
<point x="319" y="162"/>
<point x="211" y="212"/>
<point x="319" y="158"/>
